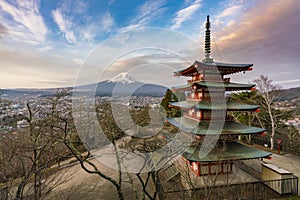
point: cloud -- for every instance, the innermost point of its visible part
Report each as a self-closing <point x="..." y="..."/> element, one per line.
<point x="45" y="49"/>
<point x="287" y="81"/>
<point x="27" y="20"/>
<point x="156" y="68"/>
<point x="107" y="22"/>
<point x="271" y="26"/>
<point x="77" y="25"/>
<point x="266" y="35"/>
<point x="26" y="68"/>
<point x="185" y="14"/>
<point x="64" y="25"/>
<point x="146" y="13"/>
<point x="3" y="30"/>
<point x="228" y="16"/>
<point x="78" y="61"/>
<point x="229" y="11"/>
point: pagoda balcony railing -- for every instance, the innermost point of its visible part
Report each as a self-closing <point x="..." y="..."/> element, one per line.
<point x="194" y="117"/>
<point x="195" y="81"/>
<point x="226" y="80"/>
<point x="189" y="98"/>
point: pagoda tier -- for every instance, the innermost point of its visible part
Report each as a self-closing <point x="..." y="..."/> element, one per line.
<point x="222" y="68"/>
<point x="204" y="128"/>
<point x="218" y="86"/>
<point x="234" y="151"/>
<point x="218" y="161"/>
<point x="207" y="105"/>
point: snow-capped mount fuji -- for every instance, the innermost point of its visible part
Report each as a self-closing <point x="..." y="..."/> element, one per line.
<point x="123" y="78"/>
<point x="125" y="84"/>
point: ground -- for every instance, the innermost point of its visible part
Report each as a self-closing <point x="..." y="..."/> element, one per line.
<point x="90" y="186"/>
<point x="85" y="186"/>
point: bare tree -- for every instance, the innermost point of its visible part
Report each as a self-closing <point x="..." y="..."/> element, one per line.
<point x="26" y="160"/>
<point x="63" y="126"/>
<point x="292" y="133"/>
<point x="269" y="92"/>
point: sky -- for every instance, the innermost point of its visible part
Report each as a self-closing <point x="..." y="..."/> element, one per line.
<point x="47" y="43"/>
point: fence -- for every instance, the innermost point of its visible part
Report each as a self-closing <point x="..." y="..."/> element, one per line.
<point x="252" y="190"/>
<point x="285" y="146"/>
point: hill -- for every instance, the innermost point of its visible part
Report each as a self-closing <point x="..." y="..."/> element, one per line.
<point x="289" y="94"/>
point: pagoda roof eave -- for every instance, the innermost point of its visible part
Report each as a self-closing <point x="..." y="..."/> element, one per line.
<point x="204" y="105"/>
<point x="182" y="87"/>
<point x="187" y="71"/>
<point x="213" y="128"/>
<point x="234" y="151"/>
<point x="224" y="68"/>
<point x="228" y="86"/>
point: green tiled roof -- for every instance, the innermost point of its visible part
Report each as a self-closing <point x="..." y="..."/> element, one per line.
<point x="225" y="85"/>
<point x="213" y="128"/>
<point x="224" y="68"/>
<point x="235" y="151"/>
<point x="204" y="105"/>
<point x="183" y="87"/>
<point x="183" y="104"/>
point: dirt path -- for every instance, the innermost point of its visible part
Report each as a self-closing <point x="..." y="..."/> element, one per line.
<point x="81" y="185"/>
<point x="87" y="186"/>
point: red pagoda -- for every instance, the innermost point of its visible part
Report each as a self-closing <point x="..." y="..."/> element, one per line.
<point x="205" y="115"/>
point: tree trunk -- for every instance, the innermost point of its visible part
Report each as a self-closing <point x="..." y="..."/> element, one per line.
<point x="272" y="142"/>
<point x="120" y="193"/>
<point x="19" y="193"/>
<point x="272" y="125"/>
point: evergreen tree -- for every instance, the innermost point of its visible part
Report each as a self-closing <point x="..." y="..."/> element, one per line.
<point x="171" y="111"/>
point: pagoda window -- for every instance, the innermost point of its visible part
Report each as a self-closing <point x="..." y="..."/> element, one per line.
<point x="201" y="77"/>
<point x="206" y="115"/>
<point x="213" y="168"/>
<point x="200" y="95"/>
<point x="227" y="167"/>
<point x="199" y="114"/>
<point x="204" y="169"/>
<point x="195" y="166"/>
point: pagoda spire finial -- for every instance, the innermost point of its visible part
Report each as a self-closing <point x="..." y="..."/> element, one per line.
<point x="207" y="42"/>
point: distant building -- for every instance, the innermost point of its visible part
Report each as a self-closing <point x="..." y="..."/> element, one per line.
<point x="22" y="124"/>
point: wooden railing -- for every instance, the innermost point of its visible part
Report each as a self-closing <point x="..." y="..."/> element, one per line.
<point x="226" y="80"/>
<point x="194" y="98"/>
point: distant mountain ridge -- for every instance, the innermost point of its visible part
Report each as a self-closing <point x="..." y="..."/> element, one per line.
<point x="121" y="85"/>
<point x="289" y="94"/>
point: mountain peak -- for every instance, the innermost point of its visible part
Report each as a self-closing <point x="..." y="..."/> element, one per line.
<point x="124" y="78"/>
